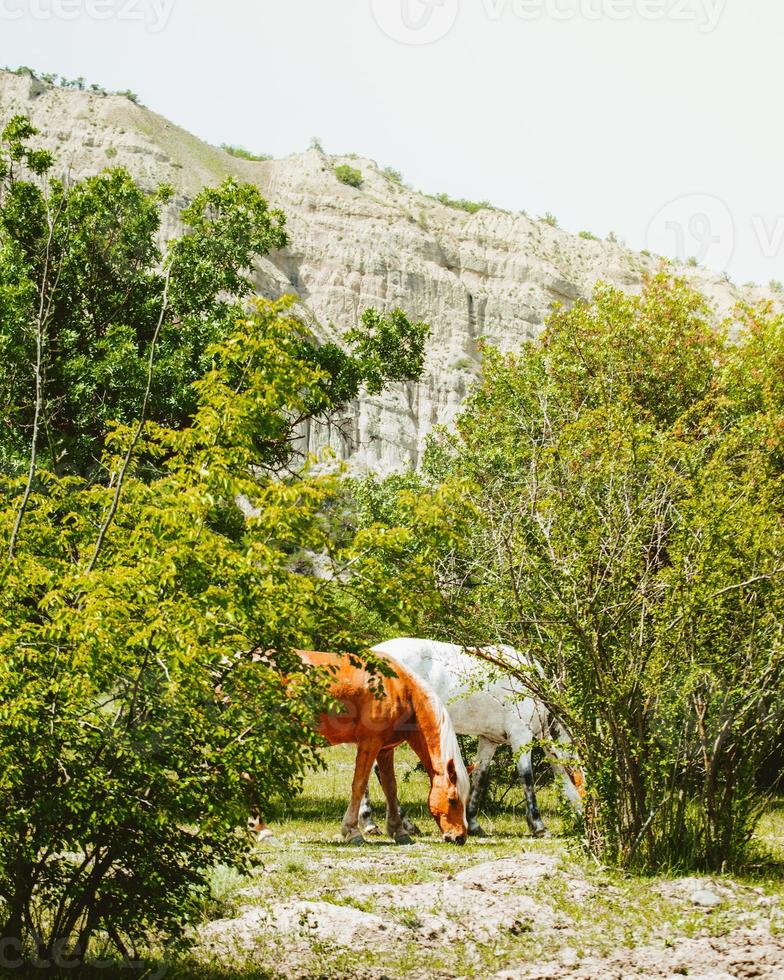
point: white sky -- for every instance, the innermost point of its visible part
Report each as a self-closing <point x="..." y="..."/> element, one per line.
<point x="658" y="119"/>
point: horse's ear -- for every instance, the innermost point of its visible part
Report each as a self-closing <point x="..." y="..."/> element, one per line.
<point x="451" y="771"/>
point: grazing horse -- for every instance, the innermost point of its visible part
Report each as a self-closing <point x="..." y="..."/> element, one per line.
<point x="498" y="712"/>
<point x="405" y="709"/>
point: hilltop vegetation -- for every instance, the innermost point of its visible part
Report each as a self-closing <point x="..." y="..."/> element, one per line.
<point x="79" y="84"/>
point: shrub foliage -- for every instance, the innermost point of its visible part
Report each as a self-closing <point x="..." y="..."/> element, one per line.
<point x="625" y="480"/>
<point x="347" y="174"/>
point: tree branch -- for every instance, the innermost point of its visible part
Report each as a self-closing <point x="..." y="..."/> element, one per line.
<point x="137" y="434"/>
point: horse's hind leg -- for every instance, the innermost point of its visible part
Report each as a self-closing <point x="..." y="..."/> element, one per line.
<point x="386" y="773"/>
<point x="408" y="824"/>
<point x="367" y="823"/>
<point x="480" y="778"/>
<point x="366" y="753"/>
<point x="260" y="830"/>
<point x="560" y="755"/>
<point x="522" y="751"/>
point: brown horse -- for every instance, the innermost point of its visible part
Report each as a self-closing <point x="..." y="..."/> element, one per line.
<point x="405" y="709"/>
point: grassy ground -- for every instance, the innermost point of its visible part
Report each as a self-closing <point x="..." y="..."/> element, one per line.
<point x="576" y="909"/>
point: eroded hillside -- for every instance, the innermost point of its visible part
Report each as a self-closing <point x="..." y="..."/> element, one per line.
<point x="488" y="274"/>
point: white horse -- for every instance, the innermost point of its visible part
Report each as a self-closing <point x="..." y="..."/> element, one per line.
<point x="498" y="712"/>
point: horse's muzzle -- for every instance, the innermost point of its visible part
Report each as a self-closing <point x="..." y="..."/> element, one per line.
<point x="455" y="839"/>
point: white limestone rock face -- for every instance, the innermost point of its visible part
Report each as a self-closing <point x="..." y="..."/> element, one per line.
<point x="490" y="275"/>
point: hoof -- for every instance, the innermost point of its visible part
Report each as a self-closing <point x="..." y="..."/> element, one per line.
<point x="356" y="841"/>
<point x="412" y="829"/>
<point x="371" y="831"/>
<point x="476" y="831"/>
<point x="540" y="832"/>
<point x="403" y="840"/>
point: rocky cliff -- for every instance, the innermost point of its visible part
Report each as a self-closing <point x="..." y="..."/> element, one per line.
<point x="489" y="274"/>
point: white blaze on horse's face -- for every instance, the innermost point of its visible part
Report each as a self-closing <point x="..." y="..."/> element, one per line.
<point x="447" y="803"/>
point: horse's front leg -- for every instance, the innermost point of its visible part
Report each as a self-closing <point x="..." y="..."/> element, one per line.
<point x="386" y="774"/>
<point x="366" y="753"/>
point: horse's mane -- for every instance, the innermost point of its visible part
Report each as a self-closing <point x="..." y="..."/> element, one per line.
<point x="450" y="747"/>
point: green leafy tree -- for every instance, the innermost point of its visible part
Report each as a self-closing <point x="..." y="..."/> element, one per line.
<point x="131" y="705"/>
<point x="627" y="532"/>
<point x="148" y="626"/>
<point x="81" y="271"/>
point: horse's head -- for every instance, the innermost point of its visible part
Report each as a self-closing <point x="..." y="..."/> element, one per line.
<point x="449" y="799"/>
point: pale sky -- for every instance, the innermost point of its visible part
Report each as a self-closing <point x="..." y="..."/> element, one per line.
<point x="657" y="119"/>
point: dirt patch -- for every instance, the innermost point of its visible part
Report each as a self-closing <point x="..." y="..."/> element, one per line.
<point x="738" y="956"/>
<point x="304" y="921"/>
<point x="476" y="904"/>
<point x="425" y="913"/>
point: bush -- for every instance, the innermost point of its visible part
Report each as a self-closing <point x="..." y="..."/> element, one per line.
<point x="626" y="476"/>
<point x="549" y="219"/>
<point x="461" y="204"/>
<point x="128" y="94"/>
<point x="588" y="236"/>
<point x="348" y="175"/>
<point x="394" y="175"/>
<point x="241" y="153"/>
